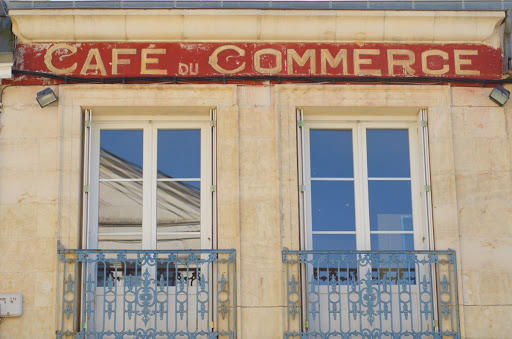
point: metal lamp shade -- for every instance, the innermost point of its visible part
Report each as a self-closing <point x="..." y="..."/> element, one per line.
<point x="499" y="95"/>
<point x="46" y="97"/>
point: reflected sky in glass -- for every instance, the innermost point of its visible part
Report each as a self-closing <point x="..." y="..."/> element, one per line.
<point x="390" y="205"/>
<point x="179" y="153"/>
<point x="124" y="144"/>
<point x="333" y="205"/>
<point x="334" y="242"/>
<point x="331" y="153"/>
<point x="388" y="153"/>
<point x="394" y="242"/>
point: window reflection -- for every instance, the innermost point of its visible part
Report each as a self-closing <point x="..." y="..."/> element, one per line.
<point x="326" y="242"/>
<point x="333" y="205"/>
<point x="179" y="153"/>
<point x="178" y="194"/>
<point x="395" y="242"/>
<point x="121" y="154"/>
<point x="390" y="205"/>
<point x="388" y="153"/>
<point x="331" y="153"/>
<point x="178" y="215"/>
<point x="120" y="190"/>
<point x="120" y="215"/>
<point x="386" y="184"/>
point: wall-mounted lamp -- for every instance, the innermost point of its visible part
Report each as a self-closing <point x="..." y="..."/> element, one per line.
<point x="46" y="97"/>
<point x="499" y="95"/>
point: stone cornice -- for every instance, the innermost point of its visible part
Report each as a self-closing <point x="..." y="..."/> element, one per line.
<point x="219" y="25"/>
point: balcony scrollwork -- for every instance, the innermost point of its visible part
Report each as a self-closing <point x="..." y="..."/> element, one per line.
<point x="148" y="294"/>
<point x="371" y="294"/>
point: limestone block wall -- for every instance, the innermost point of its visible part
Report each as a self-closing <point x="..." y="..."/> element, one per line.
<point x="29" y="205"/>
<point x="482" y="140"/>
<point x="257" y="213"/>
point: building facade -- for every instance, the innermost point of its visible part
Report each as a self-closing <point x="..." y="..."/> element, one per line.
<point x="256" y="173"/>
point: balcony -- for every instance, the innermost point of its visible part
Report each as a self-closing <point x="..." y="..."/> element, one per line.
<point x="148" y="294"/>
<point x="371" y="294"/>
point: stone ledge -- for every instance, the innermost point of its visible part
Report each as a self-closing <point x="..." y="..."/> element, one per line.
<point x="96" y="25"/>
<point x="5" y="70"/>
<point x="6" y="63"/>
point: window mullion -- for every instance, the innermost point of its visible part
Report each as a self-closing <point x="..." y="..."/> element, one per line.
<point x="149" y="188"/>
<point x="212" y="231"/>
<point x="306" y="187"/>
<point x="302" y="179"/>
<point x="87" y="178"/>
<point x="94" y="168"/>
<point x="426" y="177"/>
<point x="362" y="202"/>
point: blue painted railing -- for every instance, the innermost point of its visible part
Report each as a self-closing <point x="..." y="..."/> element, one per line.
<point x="371" y="294"/>
<point x="148" y="294"/>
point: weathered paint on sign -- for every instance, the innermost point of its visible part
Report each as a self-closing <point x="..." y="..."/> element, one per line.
<point x="258" y="59"/>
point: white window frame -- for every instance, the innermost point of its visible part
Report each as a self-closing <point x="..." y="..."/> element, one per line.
<point x="418" y="162"/>
<point x="149" y="124"/>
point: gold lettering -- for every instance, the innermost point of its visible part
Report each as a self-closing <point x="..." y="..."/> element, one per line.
<point x="213" y="60"/>
<point x="93" y="52"/>
<point x="326" y="57"/>
<point x="358" y="62"/>
<point x="405" y="63"/>
<point x="192" y="71"/>
<point x="269" y="51"/>
<point x="49" y="55"/>
<point x="115" y="57"/>
<point x="144" y="61"/>
<point x="424" y="62"/>
<point x="182" y="69"/>
<point x="292" y="56"/>
<point x="459" y="62"/>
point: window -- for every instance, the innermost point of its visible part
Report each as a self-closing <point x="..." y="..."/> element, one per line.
<point x="364" y="210"/>
<point x="362" y="184"/>
<point x="148" y="266"/>
<point x="150" y="184"/>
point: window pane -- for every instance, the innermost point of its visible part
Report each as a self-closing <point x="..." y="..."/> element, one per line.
<point x="179" y="153"/>
<point x="388" y="153"/>
<point x="331" y="153"/>
<point x="178" y="215"/>
<point x="120" y="154"/>
<point x="390" y="205"/>
<point x="383" y="242"/>
<point x="333" y="205"/>
<point x="120" y="215"/>
<point x="334" y="242"/>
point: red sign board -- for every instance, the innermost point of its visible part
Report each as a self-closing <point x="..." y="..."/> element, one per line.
<point x="143" y="60"/>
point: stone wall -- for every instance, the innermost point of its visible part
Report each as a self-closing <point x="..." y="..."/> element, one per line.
<point x="29" y="211"/>
<point x="481" y="133"/>
<point x="470" y="155"/>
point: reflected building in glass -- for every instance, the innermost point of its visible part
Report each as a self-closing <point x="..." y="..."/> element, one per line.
<point x="120" y="205"/>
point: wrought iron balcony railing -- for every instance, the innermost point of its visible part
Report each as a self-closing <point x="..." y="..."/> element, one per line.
<point x="148" y="294"/>
<point x="371" y="294"/>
